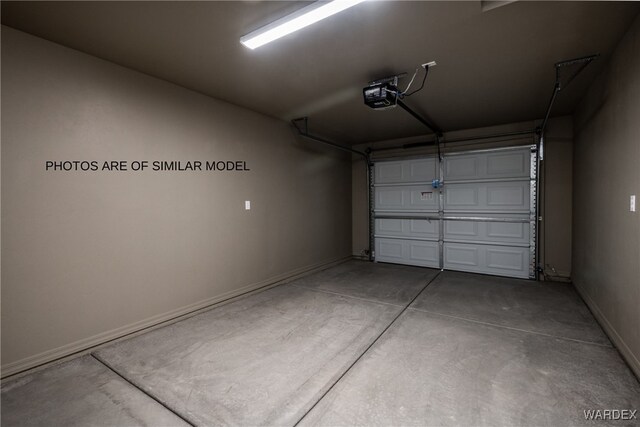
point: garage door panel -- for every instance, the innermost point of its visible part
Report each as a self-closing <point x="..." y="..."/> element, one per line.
<point x="461" y="256"/>
<point x="517" y="232"/>
<point x="427" y="228"/>
<point x="389" y="226"/>
<point x="511" y="196"/>
<point x="417" y="228"/>
<point x="389" y="172"/>
<point x="505" y="233"/>
<point x="488" y="165"/>
<point x="461" y="196"/>
<point x="507" y="258"/>
<point x="422" y="170"/>
<point x="507" y="195"/>
<point x="506" y="165"/>
<point x="462" y="167"/>
<point x="484" y="211"/>
<point x="389" y="249"/>
<point x="418" y="170"/>
<point x="423" y="196"/>
<point x="390" y="197"/>
<point x="461" y="229"/>
<point x="487" y="259"/>
<point x="409" y="252"/>
<point x="403" y="198"/>
<point x="424" y="253"/>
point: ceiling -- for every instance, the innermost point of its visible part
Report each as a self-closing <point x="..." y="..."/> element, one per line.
<point x="494" y="66"/>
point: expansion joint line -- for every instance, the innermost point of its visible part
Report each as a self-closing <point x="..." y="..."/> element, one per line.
<point x="161" y="403"/>
<point x="368" y="348"/>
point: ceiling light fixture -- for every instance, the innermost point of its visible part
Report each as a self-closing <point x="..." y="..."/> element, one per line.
<point x="302" y="18"/>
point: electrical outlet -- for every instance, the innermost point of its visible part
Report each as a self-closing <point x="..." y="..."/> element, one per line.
<point x="247" y="205"/>
<point x="632" y="203"/>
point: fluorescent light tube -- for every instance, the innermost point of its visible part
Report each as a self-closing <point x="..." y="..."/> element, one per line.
<point x="302" y="18"/>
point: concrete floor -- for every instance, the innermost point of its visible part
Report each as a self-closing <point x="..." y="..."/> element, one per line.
<point x="357" y="344"/>
<point x="82" y="392"/>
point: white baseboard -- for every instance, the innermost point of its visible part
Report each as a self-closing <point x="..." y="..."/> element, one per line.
<point x="85" y="345"/>
<point x="631" y="358"/>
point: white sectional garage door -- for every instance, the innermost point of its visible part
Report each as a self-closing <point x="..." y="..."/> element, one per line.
<point x="481" y="220"/>
<point x="403" y="192"/>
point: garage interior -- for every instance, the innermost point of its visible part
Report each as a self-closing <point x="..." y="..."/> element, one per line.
<point x="199" y="233"/>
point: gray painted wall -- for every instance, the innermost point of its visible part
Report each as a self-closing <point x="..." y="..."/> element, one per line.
<point x="90" y="256"/>
<point x="556" y="188"/>
<point x="606" y="236"/>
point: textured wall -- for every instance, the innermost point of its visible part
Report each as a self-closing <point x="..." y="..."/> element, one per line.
<point x="606" y="235"/>
<point x="88" y="256"/>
